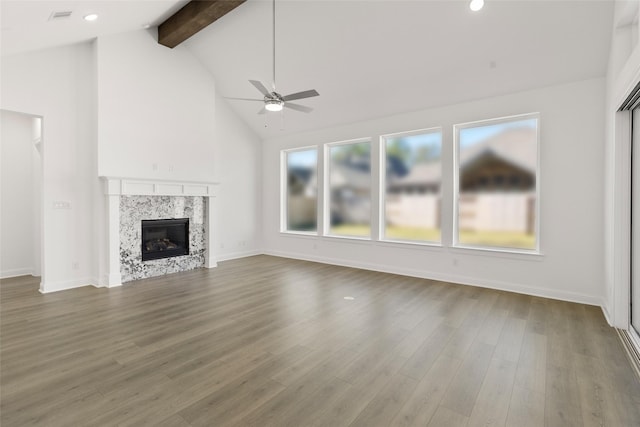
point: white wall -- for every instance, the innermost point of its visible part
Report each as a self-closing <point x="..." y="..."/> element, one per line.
<point x="105" y="106"/>
<point x="18" y="210"/>
<point x="36" y="194"/>
<point x="623" y="73"/>
<point x="571" y="182"/>
<point x="57" y="85"/>
<point x="156" y="110"/>
<point x="159" y="117"/>
<point x="239" y="166"/>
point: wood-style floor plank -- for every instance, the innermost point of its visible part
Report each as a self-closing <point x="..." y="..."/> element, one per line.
<point x="445" y="417"/>
<point x="526" y="408"/>
<point x="463" y="391"/>
<point x="425" y="399"/>
<point x="492" y="404"/>
<point x="270" y="341"/>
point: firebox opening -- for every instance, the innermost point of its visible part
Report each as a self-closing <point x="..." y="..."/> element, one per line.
<point x="165" y="238"/>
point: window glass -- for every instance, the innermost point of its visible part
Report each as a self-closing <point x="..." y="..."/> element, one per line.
<point x="350" y="189"/>
<point x="497" y="178"/>
<point x="302" y="191"/>
<point x="412" y="184"/>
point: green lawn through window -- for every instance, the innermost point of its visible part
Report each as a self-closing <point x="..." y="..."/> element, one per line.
<point x="498" y="239"/>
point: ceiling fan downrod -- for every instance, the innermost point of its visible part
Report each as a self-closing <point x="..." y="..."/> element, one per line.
<point x="273" y="101"/>
<point x="274" y="45"/>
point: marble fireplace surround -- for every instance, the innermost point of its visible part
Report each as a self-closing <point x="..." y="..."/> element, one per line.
<point x="116" y="187"/>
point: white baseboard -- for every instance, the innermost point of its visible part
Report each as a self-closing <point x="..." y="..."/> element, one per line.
<point x="459" y="279"/>
<point x="15" y="272"/>
<point x="236" y="255"/>
<point x="110" y="280"/>
<point x="463" y="280"/>
<point x="63" y="285"/>
<point x="605" y="312"/>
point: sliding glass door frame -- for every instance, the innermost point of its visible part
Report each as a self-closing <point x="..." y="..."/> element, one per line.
<point x="634" y="264"/>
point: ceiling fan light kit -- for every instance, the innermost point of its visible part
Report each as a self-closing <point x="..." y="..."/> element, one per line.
<point x="273" y="104"/>
<point x="273" y="101"/>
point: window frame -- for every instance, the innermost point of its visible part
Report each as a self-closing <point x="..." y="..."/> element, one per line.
<point x="382" y="206"/>
<point x="326" y="201"/>
<point x="284" y="190"/>
<point x="455" y="243"/>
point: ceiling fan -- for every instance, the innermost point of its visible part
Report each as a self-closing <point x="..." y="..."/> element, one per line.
<point x="272" y="100"/>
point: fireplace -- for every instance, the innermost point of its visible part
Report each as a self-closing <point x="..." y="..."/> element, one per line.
<point x="165" y="238"/>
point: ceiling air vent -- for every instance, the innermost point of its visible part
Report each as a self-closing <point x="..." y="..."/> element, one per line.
<point x="60" y="15"/>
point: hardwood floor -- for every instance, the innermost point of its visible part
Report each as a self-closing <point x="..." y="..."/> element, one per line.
<point x="266" y="341"/>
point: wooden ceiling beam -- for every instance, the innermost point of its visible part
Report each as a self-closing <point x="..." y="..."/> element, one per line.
<point x="193" y="17"/>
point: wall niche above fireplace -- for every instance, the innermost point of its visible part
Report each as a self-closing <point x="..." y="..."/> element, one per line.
<point x="164" y="238"/>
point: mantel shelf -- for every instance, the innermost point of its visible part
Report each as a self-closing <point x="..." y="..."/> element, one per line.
<point x="116" y="186"/>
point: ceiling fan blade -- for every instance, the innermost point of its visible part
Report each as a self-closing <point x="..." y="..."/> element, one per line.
<point x="298" y="107"/>
<point x="300" y="95"/>
<point x="262" y="111"/>
<point x="244" y="99"/>
<point x="263" y="90"/>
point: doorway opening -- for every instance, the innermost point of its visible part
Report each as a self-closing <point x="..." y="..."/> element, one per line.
<point x="21" y="243"/>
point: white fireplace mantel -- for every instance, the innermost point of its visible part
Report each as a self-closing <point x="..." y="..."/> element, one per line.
<point x="148" y="187"/>
<point x="114" y="187"/>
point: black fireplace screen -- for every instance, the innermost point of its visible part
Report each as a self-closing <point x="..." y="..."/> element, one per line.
<point x="165" y="238"/>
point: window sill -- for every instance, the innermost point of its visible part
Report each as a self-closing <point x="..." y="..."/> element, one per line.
<point x="409" y="244"/>
<point x="299" y="233"/>
<point x="348" y="238"/>
<point x="495" y="252"/>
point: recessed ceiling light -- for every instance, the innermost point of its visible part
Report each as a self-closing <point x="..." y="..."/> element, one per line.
<point x="349" y="298"/>
<point x="476" y="5"/>
<point x="146" y="26"/>
<point x="91" y="17"/>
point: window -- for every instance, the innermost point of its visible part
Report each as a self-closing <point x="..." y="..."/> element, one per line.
<point x="411" y="184"/>
<point x="301" y="190"/>
<point x="496" y="180"/>
<point x="349" y="189"/>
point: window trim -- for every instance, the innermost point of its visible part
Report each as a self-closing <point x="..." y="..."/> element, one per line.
<point x="455" y="244"/>
<point x="284" y="193"/>
<point x="382" y="205"/>
<point x="326" y="200"/>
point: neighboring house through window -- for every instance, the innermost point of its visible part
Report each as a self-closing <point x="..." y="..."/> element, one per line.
<point x="301" y="203"/>
<point x="495" y="187"/>
<point x="496" y="177"/>
<point x="411" y="185"/>
<point x="349" y="189"/>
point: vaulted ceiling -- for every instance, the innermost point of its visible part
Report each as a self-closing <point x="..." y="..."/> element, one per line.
<point x="367" y="59"/>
